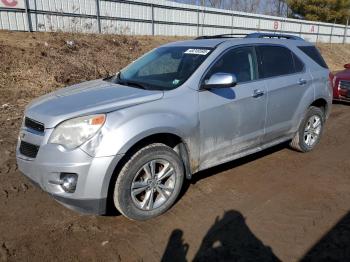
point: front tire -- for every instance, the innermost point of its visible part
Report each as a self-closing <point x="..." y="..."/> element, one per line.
<point x="310" y="130"/>
<point x="149" y="183"/>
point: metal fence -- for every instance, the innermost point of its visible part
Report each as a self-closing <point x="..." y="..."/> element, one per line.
<point x="150" y="17"/>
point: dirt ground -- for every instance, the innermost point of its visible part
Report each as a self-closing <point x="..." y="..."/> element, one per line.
<point x="275" y="205"/>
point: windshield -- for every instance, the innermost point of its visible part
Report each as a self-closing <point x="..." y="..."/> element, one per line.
<point x="164" y="68"/>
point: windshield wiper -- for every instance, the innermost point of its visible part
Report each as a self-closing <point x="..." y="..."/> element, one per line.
<point x="129" y="82"/>
<point x="132" y="83"/>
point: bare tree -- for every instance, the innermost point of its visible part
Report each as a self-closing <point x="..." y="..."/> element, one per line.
<point x="243" y="5"/>
<point x="276" y="7"/>
<point x="237" y="5"/>
<point x="251" y="6"/>
<point x="216" y="3"/>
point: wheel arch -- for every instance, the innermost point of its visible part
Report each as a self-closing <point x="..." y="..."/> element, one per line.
<point x="322" y="104"/>
<point x="170" y="139"/>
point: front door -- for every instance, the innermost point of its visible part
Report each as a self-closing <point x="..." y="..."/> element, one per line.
<point x="232" y="119"/>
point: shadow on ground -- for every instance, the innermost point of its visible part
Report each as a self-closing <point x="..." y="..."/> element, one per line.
<point x="236" y="163"/>
<point x="230" y="239"/>
<point x="334" y="246"/>
<point x="227" y="166"/>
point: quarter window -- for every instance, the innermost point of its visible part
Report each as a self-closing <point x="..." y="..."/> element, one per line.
<point x="314" y="54"/>
<point x="239" y="61"/>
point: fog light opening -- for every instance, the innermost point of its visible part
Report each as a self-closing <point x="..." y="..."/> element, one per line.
<point x="69" y="182"/>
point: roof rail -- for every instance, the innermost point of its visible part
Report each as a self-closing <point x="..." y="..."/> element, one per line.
<point x="270" y="35"/>
<point x="220" y="36"/>
<point x="253" y="35"/>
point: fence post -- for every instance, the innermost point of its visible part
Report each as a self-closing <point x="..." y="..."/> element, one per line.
<point x="152" y="6"/>
<point x="346" y="31"/>
<point x="98" y="16"/>
<point x="198" y="21"/>
<point x="331" y="37"/>
<point x="29" y="19"/>
<point x="232" y="23"/>
<point x="259" y="25"/>
<point x="301" y="28"/>
<point x="281" y="30"/>
<point x="203" y="16"/>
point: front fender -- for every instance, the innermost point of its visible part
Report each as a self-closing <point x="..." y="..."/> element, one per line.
<point x="119" y="138"/>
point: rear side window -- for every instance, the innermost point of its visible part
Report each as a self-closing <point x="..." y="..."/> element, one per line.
<point x="275" y="61"/>
<point x="314" y="54"/>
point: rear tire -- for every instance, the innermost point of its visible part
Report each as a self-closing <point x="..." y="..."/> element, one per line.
<point x="149" y="183"/>
<point x="310" y="130"/>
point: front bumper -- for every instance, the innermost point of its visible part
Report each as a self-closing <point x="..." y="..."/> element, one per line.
<point x="94" y="174"/>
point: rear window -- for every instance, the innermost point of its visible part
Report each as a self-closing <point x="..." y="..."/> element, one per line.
<point x="275" y="61"/>
<point x="314" y="54"/>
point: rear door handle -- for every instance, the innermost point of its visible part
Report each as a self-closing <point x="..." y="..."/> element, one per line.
<point x="302" y="82"/>
<point x="258" y="93"/>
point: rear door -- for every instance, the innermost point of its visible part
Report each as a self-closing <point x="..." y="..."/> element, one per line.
<point x="286" y="81"/>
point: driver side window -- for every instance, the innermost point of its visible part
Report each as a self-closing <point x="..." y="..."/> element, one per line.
<point x="238" y="61"/>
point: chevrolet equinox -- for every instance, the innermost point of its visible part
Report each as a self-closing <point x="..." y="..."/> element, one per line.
<point x="132" y="138"/>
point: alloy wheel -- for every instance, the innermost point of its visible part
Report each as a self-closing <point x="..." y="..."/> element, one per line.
<point x="312" y="130"/>
<point x="153" y="184"/>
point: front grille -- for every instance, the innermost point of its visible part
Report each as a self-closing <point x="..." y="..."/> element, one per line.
<point x="28" y="149"/>
<point x="32" y="124"/>
<point x="344" y="84"/>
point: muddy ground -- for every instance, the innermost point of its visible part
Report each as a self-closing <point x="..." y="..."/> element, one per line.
<point x="275" y="205"/>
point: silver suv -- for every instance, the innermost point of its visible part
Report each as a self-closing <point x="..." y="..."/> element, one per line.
<point x="131" y="139"/>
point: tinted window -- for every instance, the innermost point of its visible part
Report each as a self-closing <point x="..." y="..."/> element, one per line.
<point x="314" y="54"/>
<point x="298" y="64"/>
<point x="239" y="61"/>
<point x="275" y="61"/>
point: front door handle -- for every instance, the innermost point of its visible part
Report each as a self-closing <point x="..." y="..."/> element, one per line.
<point x="302" y="82"/>
<point x="258" y="93"/>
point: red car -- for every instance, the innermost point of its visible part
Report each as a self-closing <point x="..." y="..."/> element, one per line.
<point x="341" y="84"/>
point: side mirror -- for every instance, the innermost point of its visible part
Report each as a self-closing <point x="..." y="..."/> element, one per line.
<point x="347" y="66"/>
<point x="220" y="80"/>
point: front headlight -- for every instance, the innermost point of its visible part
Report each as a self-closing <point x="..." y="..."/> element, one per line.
<point x="74" y="132"/>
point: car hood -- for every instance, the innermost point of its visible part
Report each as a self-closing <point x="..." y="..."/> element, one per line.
<point x="90" y="97"/>
<point x="345" y="74"/>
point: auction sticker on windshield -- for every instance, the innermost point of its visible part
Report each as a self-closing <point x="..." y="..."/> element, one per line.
<point x="197" y="51"/>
